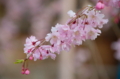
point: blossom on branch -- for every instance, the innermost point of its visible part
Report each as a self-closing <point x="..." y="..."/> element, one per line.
<point x="82" y="26"/>
<point x="31" y="44"/>
<point x="71" y="13"/>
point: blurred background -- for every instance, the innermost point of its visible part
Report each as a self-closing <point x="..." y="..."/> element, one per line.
<point x="20" y="19"/>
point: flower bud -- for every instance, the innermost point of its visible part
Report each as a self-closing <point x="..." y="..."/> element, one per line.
<point x="31" y="58"/>
<point x="27" y="72"/>
<point x="99" y="6"/>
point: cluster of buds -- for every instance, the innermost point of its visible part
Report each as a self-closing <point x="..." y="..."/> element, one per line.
<point x="82" y="26"/>
<point x="25" y="70"/>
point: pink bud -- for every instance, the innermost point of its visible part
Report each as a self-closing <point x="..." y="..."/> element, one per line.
<point x="99" y="6"/>
<point x="27" y="72"/>
<point x="31" y="57"/>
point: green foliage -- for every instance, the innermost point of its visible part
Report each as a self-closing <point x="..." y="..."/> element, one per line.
<point x="19" y="61"/>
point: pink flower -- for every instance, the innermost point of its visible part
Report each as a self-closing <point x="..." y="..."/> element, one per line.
<point x="78" y="36"/>
<point x="54" y="36"/>
<point x="62" y="37"/>
<point x="53" y="56"/>
<point x="102" y="22"/>
<point x="36" y="54"/>
<point x="55" y="48"/>
<point x="93" y="33"/>
<point x="30" y="45"/>
<point x="27" y="72"/>
<point x="31" y="57"/>
<point x="65" y="34"/>
<point x="99" y="6"/>
<point x="43" y="52"/>
<point x="81" y="27"/>
<point x="96" y="19"/>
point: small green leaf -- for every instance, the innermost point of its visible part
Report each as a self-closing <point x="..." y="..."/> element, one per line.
<point x="19" y="61"/>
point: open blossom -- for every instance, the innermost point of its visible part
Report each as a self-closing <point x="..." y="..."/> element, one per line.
<point x="54" y="36"/>
<point x="71" y="13"/>
<point x="30" y="45"/>
<point x="78" y="36"/>
<point x="96" y="19"/>
<point x="62" y="37"/>
<point x="93" y="33"/>
<point x="43" y="52"/>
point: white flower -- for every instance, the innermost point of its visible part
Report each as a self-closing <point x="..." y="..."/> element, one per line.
<point x="71" y="13"/>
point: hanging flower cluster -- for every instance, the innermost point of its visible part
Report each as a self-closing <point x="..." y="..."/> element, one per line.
<point x="82" y="26"/>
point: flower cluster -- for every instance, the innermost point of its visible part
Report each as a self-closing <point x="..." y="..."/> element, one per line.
<point x="25" y="71"/>
<point x="34" y="50"/>
<point x="82" y="26"/>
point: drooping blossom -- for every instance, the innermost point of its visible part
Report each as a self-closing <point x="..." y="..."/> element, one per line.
<point x="79" y="28"/>
<point x="71" y="13"/>
<point x="63" y="37"/>
<point x="96" y="19"/>
<point x="31" y="44"/>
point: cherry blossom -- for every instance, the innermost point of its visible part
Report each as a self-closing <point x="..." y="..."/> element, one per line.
<point x="62" y="37"/>
<point x="71" y="13"/>
<point x="79" y="28"/>
<point x="99" y="6"/>
<point x="31" y="44"/>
